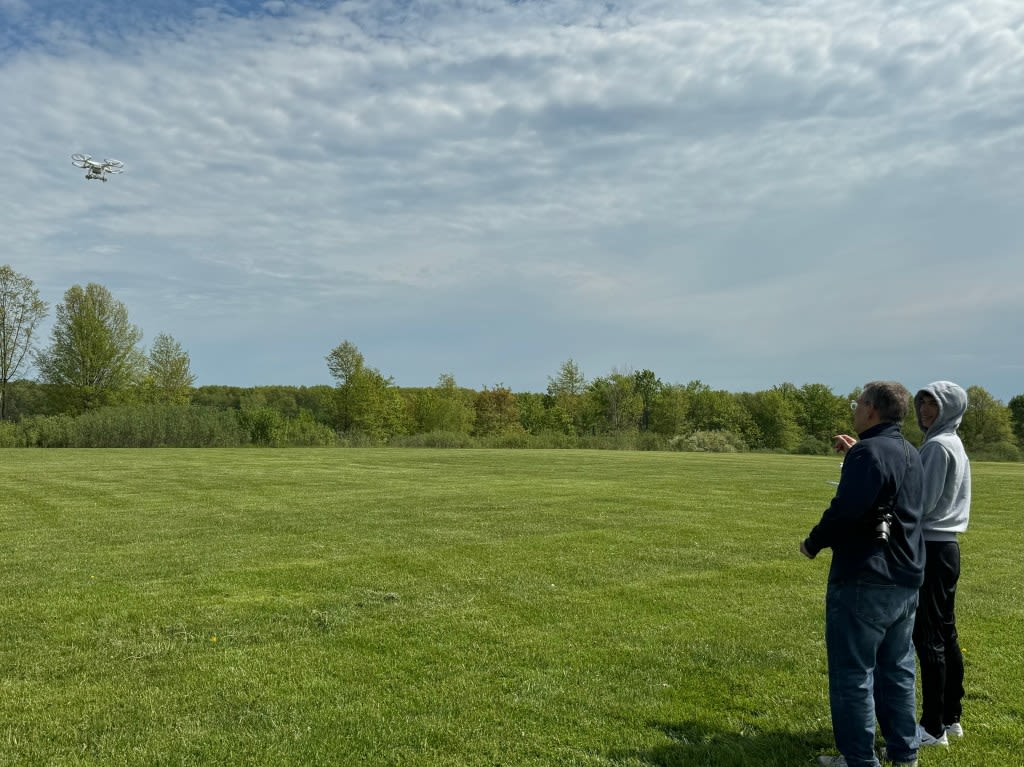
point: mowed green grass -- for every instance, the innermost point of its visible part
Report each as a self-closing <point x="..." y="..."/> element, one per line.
<point x="423" y="607"/>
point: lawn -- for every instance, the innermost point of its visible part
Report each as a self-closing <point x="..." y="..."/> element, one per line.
<point x="463" y="607"/>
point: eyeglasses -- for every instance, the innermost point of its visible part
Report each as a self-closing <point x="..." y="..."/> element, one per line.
<point x="853" y="404"/>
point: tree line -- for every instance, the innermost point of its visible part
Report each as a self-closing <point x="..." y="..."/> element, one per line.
<point x="97" y="386"/>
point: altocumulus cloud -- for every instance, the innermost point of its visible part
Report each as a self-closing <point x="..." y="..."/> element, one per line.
<point x="742" y="192"/>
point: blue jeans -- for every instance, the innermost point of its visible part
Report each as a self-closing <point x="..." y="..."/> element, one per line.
<point x="869" y="629"/>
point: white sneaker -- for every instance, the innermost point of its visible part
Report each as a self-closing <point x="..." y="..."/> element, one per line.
<point x="955" y="729"/>
<point x="927" y="739"/>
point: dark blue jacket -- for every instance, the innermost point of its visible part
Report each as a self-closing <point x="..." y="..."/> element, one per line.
<point x="881" y="463"/>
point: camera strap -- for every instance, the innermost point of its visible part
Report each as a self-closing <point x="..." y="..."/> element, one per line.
<point x="890" y="505"/>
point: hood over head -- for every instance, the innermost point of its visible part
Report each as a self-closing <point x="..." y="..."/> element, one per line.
<point x="952" y="401"/>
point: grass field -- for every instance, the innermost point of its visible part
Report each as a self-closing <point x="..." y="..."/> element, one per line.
<point x="423" y="607"/>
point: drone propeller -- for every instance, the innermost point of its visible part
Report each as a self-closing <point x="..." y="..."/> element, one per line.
<point x="113" y="166"/>
<point x="80" y="160"/>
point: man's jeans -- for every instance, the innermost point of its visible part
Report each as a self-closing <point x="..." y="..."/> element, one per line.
<point x="868" y="635"/>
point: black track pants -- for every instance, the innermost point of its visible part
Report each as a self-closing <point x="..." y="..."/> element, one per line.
<point x="935" y="638"/>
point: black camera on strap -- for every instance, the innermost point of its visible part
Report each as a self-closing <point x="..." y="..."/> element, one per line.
<point x="883" y="522"/>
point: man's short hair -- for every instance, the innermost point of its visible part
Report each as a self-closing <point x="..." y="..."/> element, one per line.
<point x="890" y="398"/>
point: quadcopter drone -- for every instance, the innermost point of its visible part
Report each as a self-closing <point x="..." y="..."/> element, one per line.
<point x="96" y="169"/>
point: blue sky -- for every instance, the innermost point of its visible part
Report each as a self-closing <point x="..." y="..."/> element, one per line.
<point x="740" y="192"/>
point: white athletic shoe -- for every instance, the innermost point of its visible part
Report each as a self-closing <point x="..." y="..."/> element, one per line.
<point x="955" y="729"/>
<point x="927" y="739"/>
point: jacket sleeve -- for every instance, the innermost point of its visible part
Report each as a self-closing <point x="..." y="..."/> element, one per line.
<point x="859" y="486"/>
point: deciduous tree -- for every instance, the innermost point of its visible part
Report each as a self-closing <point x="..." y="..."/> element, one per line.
<point x="566" y="390"/>
<point x="345" y="361"/>
<point x="670" y="411"/>
<point x="21" y="311"/>
<point x="539" y="414"/>
<point x="986" y="425"/>
<point x="94" y="355"/>
<point x="168" y="375"/>
<point x="774" y="416"/>
<point x="822" y="414"/>
<point x="366" y="401"/>
<point x="1016" y="407"/>
<point x="614" y="404"/>
<point x="715" y="409"/>
<point x="444" y="407"/>
<point x="496" y="412"/>
<point x="570" y="380"/>
<point x="647" y="386"/>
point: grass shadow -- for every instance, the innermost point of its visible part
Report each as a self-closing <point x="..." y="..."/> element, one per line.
<point x="694" y="744"/>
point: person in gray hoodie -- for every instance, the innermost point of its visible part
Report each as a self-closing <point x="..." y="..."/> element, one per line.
<point x="940" y="407"/>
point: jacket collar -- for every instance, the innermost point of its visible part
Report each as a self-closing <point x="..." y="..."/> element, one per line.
<point x="879" y="428"/>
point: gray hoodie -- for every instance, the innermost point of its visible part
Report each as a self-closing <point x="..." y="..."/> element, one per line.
<point x="947" y="470"/>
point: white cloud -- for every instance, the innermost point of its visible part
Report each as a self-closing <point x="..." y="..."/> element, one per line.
<point x="719" y="170"/>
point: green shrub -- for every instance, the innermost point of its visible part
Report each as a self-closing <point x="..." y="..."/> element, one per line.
<point x="47" y="431"/>
<point x="813" y="446"/>
<point x="437" y="438"/>
<point x="1001" y="451"/>
<point x="304" y="431"/>
<point x="261" y="424"/>
<point x="709" y="442"/>
<point x="516" y="439"/>
<point x="555" y="440"/>
<point x="615" y="440"/>
<point x="10" y="436"/>
<point x="113" y="427"/>
<point x="359" y="439"/>
<point x="142" y="426"/>
<point x="649" y="440"/>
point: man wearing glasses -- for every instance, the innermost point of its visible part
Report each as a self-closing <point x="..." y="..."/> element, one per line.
<point x="946" y="508"/>
<point x="873" y="526"/>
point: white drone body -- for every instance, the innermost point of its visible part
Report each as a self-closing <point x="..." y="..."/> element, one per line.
<point x="96" y="169"/>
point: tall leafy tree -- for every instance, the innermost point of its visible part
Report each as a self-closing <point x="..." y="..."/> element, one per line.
<point x="566" y="391"/>
<point x="570" y="380"/>
<point x="1016" y="407"/>
<point x="538" y="414"/>
<point x="986" y="423"/>
<point x="444" y="407"/>
<point x="496" y="412"/>
<point x="670" y="411"/>
<point x="344" y="362"/>
<point x="168" y="375"/>
<point x="647" y="386"/>
<point x="715" y="409"/>
<point x="366" y="401"/>
<point x="774" y="420"/>
<point x="614" y="404"/>
<point x="21" y="311"/>
<point x="94" y="354"/>
<point x="821" y="414"/>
